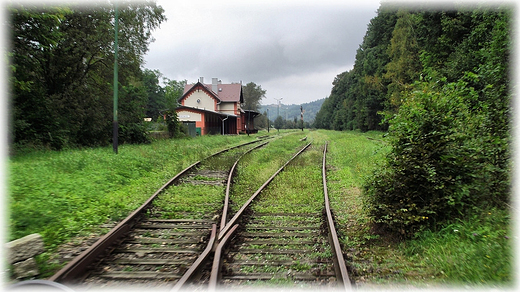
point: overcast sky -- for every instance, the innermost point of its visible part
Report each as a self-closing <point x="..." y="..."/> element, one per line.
<point x="292" y="49"/>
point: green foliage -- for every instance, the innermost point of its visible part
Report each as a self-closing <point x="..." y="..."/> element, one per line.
<point x="426" y="172"/>
<point x="173" y="91"/>
<point x="174" y="127"/>
<point x="279" y="123"/>
<point x="63" y="194"/>
<point x="156" y="94"/>
<point x="440" y="80"/>
<point x="404" y="66"/>
<point x="253" y="94"/>
<point x="473" y="251"/>
<point x="359" y="95"/>
<point x="132" y="101"/>
<point x="61" y="70"/>
<point x="439" y="167"/>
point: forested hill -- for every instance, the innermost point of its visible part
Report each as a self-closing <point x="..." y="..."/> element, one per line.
<point x="440" y="82"/>
<point x="406" y="44"/>
<point x="292" y="111"/>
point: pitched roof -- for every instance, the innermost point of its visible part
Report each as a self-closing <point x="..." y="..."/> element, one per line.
<point x="191" y="87"/>
<point x="226" y="92"/>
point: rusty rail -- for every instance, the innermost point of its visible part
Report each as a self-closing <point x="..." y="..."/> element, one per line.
<point x="198" y="263"/>
<point x="230" y="228"/>
<point x="78" y="266"/>
<point x="339" y="261"/>
<point x="215" y="269"/>
<point x="201" y="260"/>
<point x="228" y="186"/>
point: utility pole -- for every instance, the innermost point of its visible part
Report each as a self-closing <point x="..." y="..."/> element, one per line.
<point x="116" y="79"/>
<point x="267" y="120"/>
<point x="301" y="114"/>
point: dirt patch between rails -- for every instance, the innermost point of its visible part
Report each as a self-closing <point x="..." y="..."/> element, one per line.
<point x="207" y="177"/>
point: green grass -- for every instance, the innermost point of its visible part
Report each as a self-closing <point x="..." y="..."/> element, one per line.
<point x="69" y="194"/>
<point x="64" y="194"/>
<point x="255" y="168"/>
<point x="203" y="199"/>
<point x="476" y="251"/>
<point x="473" y="251"/>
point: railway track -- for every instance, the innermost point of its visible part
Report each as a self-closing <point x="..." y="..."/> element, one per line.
<point x="156" y="244"/>
<point x="282" y="236"/>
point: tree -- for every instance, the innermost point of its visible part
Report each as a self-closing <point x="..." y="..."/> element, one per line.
<point x="173" y="91"/>
<point x="261" y="121"/>
<point x="358" y="96"/>
<point x="156" y="93"/>
<point x="450" y="133"/>
<point x="61" y="62"/>
<point x="405" y="66"/>
<point x="133" y="100"/>
<point x="278" y="123"/>
<point x="253" y="94"/>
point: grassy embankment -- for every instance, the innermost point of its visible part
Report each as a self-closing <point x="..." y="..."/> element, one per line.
<point x="67" y="194"/>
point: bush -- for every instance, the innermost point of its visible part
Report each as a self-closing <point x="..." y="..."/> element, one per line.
<point x="134" y="133"/>
<point x="438" y="168"/>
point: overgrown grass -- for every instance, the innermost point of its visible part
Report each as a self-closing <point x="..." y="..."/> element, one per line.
<point x="69" y="193"/>
<point x="202" y="202"/>
<point x="477" y="250"/>
<point x="351" y="158"/>
<point x="255" y="168"/>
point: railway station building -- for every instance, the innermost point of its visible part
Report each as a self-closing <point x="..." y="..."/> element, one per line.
<point x="214" y="108"/>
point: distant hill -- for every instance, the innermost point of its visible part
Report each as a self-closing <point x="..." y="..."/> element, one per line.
<point x="293" y="110"/>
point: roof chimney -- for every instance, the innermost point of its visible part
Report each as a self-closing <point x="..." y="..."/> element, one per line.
<point x="201" y="80"/>
<point x="214" y="85"/>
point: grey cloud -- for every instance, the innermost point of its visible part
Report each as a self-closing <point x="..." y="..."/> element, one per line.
<point x="263" y="44"/>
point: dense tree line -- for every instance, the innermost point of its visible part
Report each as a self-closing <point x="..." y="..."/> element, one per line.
<point x="439" y="82"/>
<point x="61" y="62"/>
<point x="358" y="95"/>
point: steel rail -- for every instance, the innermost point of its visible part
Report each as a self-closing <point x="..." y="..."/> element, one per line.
<point x="230" y="148"/>
<point x="195" y="267"/>
<point x="228" y="231"/>
<point x="339" y="261"/>
<point x="78" y="266"/>
<point x="217" y="263"/>
<point x="246" y="204"/>
<point x="228" y="186"/>
<point x="198" y="263"/>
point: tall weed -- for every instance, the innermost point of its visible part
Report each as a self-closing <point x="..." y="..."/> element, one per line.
<point x="472" y="251"/>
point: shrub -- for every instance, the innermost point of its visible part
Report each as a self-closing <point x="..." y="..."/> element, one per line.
<point x="438" y="167"/>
